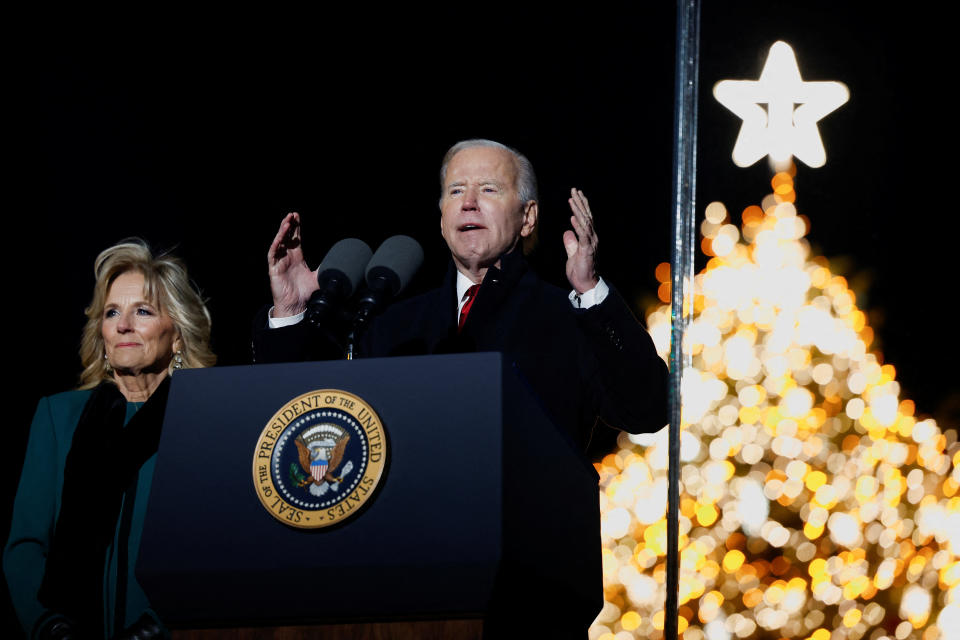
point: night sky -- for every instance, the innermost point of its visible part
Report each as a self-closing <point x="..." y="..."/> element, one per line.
<point x="199" y="134"/>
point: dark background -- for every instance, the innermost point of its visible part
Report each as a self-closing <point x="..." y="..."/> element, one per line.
<point x="200" y="133"/>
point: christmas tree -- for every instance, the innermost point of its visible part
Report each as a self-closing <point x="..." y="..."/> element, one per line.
<point x="814" y="504"/>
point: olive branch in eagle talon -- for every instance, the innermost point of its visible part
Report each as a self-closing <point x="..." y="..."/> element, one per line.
<point x="297" y="477"/>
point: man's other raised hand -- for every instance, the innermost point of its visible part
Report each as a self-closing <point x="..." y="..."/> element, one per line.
<point x="581" y="245"/>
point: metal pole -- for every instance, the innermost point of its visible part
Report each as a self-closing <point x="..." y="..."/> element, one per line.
<point x="681" y="271"/>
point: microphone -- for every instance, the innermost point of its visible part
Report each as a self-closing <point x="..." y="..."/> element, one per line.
<point x="338" y="277"/>
<point x="390" y="270"/>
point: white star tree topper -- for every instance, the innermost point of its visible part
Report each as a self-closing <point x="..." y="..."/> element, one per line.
<point x="788" y="126"/>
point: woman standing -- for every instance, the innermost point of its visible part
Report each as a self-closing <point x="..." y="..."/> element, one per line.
<point x="81" y="501"/>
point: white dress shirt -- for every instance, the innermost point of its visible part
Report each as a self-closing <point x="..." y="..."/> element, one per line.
<point x="589" y="298"/>
<point x="583" y="301"/>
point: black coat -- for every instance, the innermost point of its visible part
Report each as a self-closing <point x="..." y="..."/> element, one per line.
<point x="581" y="363"/>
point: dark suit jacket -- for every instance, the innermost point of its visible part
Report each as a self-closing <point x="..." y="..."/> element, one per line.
<point x="580" y="363"/>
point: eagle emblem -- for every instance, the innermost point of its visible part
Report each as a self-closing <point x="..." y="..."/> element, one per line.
<point x="320" y="458"/>
<point x="320" y="451"/>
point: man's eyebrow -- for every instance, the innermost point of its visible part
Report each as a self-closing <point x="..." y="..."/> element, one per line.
<point x="482" y="181"/>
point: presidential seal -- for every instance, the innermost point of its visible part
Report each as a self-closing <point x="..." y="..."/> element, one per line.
<point x="319" y="459"/>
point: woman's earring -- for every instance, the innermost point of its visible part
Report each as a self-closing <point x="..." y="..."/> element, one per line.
<point x="178" y="360"/>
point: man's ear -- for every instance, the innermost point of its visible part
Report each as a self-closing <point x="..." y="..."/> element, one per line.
<point x="530" y="213"/>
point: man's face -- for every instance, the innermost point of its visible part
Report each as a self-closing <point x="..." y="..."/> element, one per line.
<point x="481" y="215"/>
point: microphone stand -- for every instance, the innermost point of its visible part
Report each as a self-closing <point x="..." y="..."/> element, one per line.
<point x="380" y="289"/>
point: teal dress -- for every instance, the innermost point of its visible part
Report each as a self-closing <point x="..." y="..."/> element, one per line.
<point x="36" y="508"/>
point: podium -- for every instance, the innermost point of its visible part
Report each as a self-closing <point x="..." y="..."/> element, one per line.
<point x="483" y="505"/>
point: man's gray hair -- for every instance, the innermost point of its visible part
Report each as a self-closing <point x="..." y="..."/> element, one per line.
<point x="526" y="179"/>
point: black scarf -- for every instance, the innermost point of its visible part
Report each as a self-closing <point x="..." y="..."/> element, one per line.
<point x="102" y="465"/>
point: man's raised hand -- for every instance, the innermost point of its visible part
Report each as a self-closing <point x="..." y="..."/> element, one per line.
<point x="581" y="245"/>
<point x="291" y="280"/>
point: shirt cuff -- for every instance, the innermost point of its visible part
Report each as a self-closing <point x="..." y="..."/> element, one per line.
<point x="590" y="298"/>
<point x="277" y="323"/>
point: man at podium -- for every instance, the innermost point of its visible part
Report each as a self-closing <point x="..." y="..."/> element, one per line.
<point x="582" y="352"/>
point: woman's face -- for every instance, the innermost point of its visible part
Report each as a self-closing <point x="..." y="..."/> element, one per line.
<point x="138" y="337"/>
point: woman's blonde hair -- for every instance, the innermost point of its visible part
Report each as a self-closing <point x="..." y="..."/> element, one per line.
<point x="167" y="286"/>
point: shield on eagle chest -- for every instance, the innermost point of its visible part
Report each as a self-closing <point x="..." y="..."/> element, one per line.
<point x="318" y="468"/>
